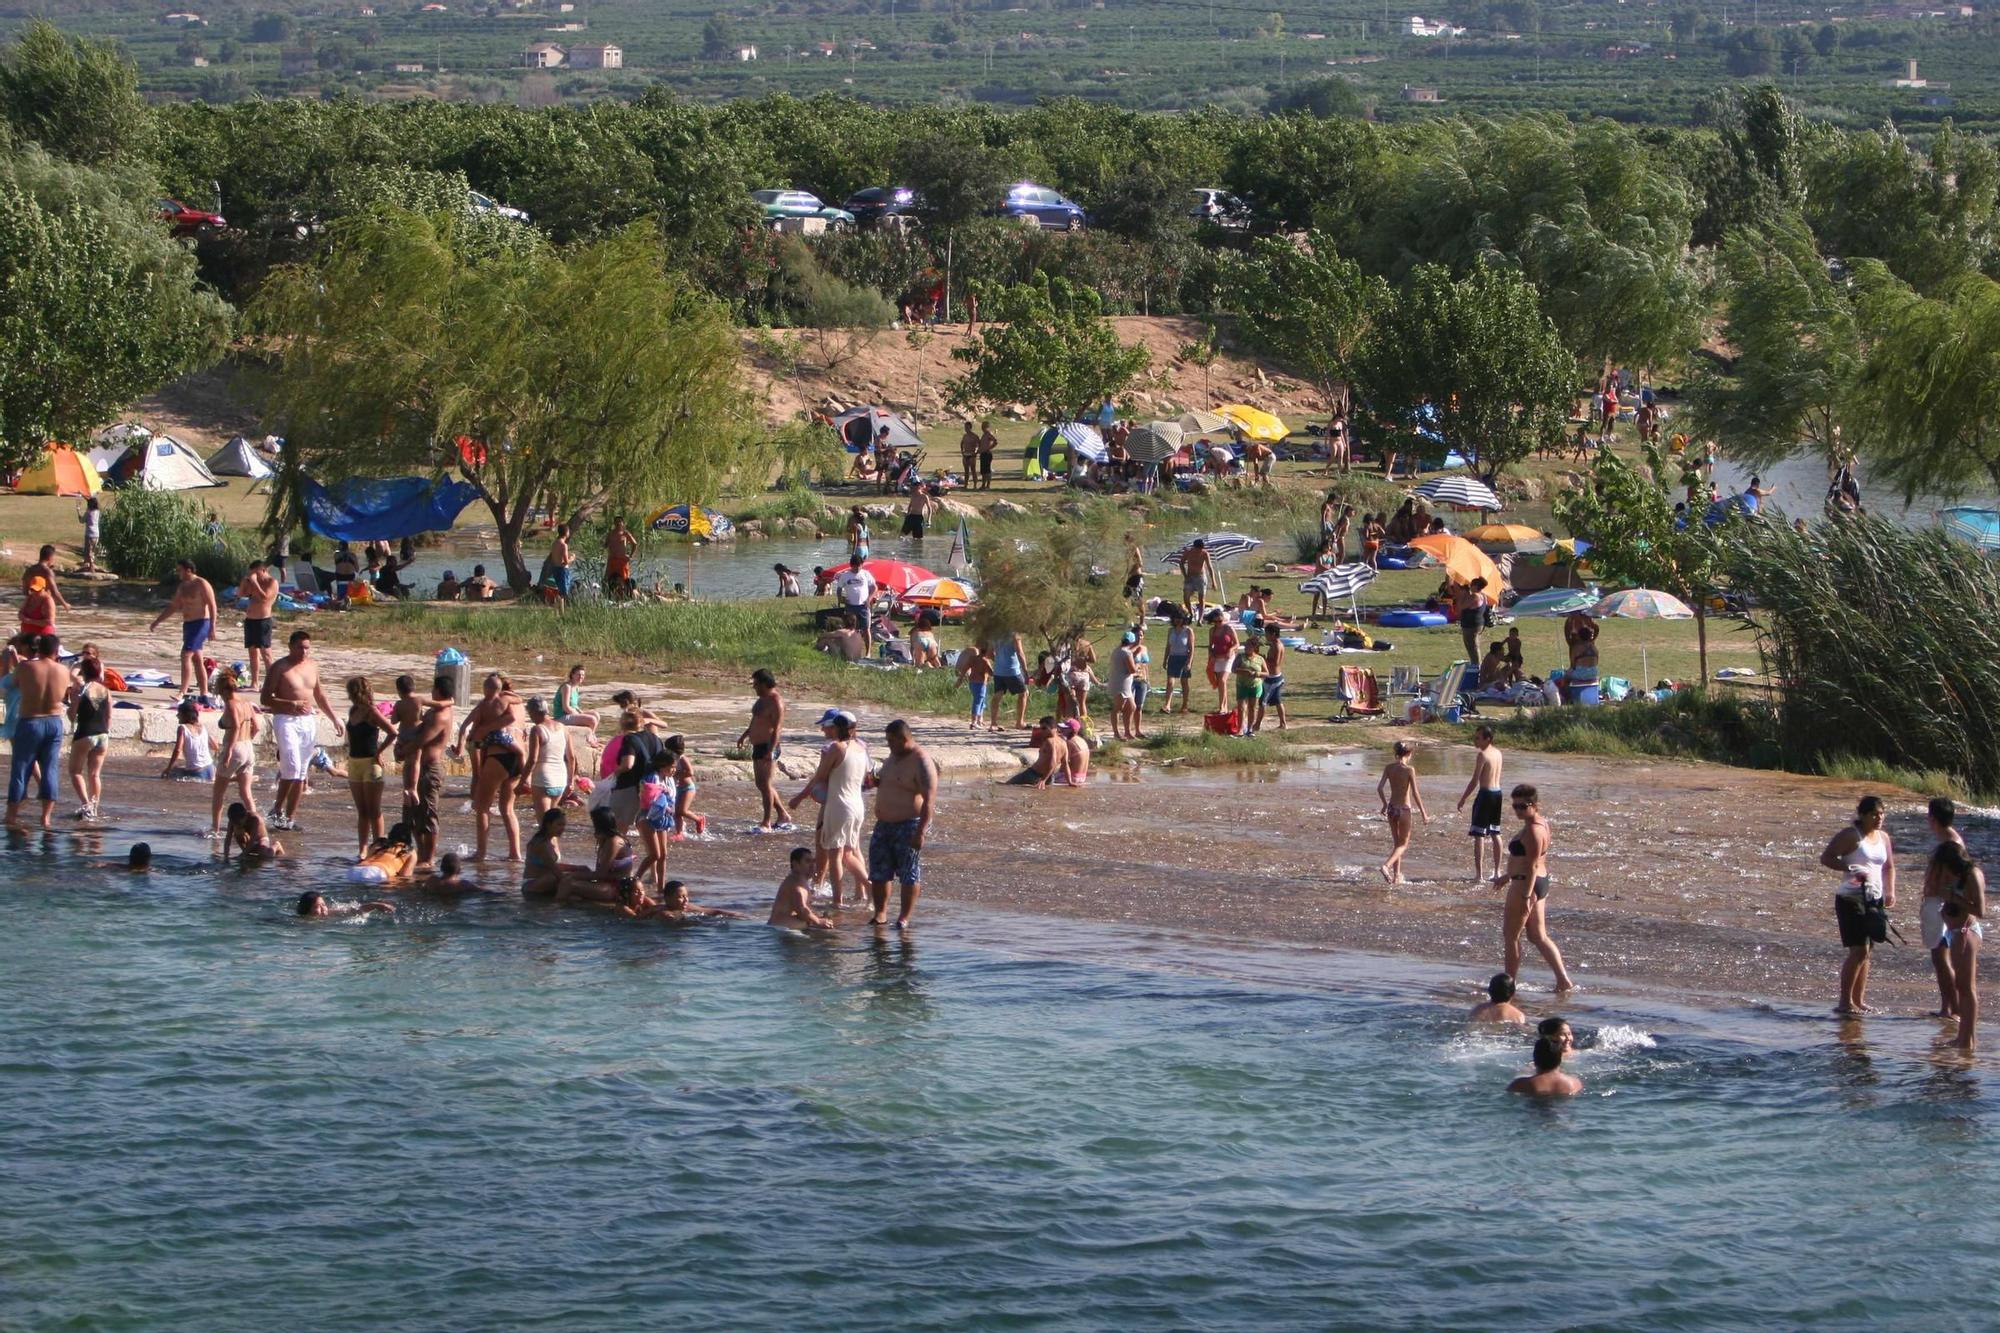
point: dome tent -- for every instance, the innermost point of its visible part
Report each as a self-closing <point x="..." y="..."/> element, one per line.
<point x="238" y="459"/>
<point x="62" y="471"/>
<point x="163" y="463"/>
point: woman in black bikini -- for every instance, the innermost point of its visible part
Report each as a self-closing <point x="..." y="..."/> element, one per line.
<point x="493" y="725"/>
<point x="1527" y="881"/>
<point x="1964" y="887"/>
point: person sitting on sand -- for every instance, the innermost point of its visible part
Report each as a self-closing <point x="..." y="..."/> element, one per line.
<point x="313" y="903"/>
<point x="1498" y="1006"/>
<point x="616" y="862"/>
<point x="1400" y="795"/>
<point x="1494" y="673"/>
<point x="192" y="758"/>
<point x="449" y="588"/>
<point x="479" y="588"/>
<point x="792" y="908"/>
<point x="1047" y="756"/>
<point x="847" y="643"/>
<point x="1548" y="1080"/>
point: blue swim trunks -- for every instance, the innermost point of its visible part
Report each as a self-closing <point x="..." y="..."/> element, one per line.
<point x="194" y="634"/>
<point x="893" y="853"/>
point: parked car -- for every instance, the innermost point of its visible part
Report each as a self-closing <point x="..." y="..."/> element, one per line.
<point x="1220" y="208"/>
<point x="1043" y="207"/>
<point x="800" y="204"/>
<point x="185" y="221"/>
<point x="871" y="205"/>
<point x="480" y="203"/>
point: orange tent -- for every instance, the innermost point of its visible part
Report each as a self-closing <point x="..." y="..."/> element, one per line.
<point x="62" y="471"/>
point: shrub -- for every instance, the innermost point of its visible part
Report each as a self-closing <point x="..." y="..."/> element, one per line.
<point x="147" y="530"/>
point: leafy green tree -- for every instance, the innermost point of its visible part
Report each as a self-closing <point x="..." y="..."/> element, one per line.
<point x="1042" y="584"/>
<point x="97" y="304"/>
<point x="1306" y="307"/>
<point x="593" y="377"/>
<point x="77" y="99"/>
<point x="1324" y="98"/>
<point x="1925" y="408"/>
<point x="718" y="37"/>
<point x="1301" y="171"/>
<point x="1480" y="351"/>
<point x="1796" y="342"/>
<point x="271" y="28"/>
<point x="957" y="180"/>
<point x="1048" y="346"/>
<point x="1635" y="536"/>
<point x="1927" y="216"/>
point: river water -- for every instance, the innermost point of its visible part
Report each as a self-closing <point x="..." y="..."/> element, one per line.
<point x="221" y="1117"/>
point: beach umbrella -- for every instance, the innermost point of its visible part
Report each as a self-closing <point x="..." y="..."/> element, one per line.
<point x="1083" y="440"/>
<point x="1516" y="537"/>
<point x="1204" y="423"/>
<point x="960" y="559"/>
<point x="1566" y="550"/>
<point x="1643" y="604"/>
<point x="897" y="577"/>
<point x="940" y="593"/>
<point x="694" y="520"/>
<point x="1554" y="602"/>
<point x="1461" y="492"/>
<point x="1341" y="584"/>
<point x="1463" y="562"/>
<point x="1981" y="527"/>
<point x="1154" y="441"/>
<point x="1255" y="422"/>
<point x="1221" y="545"/>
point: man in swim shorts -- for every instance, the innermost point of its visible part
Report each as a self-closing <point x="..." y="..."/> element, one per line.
<point x="618" y="548"/>
<point x="905" y="798"/>
<point x="38" y="728"/>
<point x="259" y="591"/>
<point x="1010" y="676"/>
<point x="1943" y="816"/>
<point x="194" y="599"/>
<point x="764" y="737"/>
<point x="1488" y="803"/>
<point x="427" y="742"/>
<point x="293" y="696"/>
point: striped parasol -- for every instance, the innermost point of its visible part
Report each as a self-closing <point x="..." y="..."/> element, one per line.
<point x="1154" y="441"/>
<point x="1083" y="440"/>
<point x="1341" y="584"/>
<point x="1554" y="602"/>
<point x="1221" y="545"/>
<point x="1205" y="423"/>
<point x="1981" y="527"/>
<point x="1460" y="492"/>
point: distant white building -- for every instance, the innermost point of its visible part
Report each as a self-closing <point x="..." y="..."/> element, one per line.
<point x="597" y="57"/>
<point x="1422" y="27"/>
<point x="746" y="54"/>
<point x="408" y="67"/>
<point x="186" y="19"/>
<point x="542" y="55"/>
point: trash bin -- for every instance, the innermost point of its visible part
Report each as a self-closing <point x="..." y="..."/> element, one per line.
<point x="453" y="664"/>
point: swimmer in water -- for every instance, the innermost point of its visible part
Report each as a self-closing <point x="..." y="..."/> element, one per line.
<point x="449" y="877"/>
<point x="248" y="835"/>
<point x="1548" y="1080"/>
<point x="1398" y="793"/>
<point x="674" y="905"/>
<point x="313" y="903"/>
<point x="1559" y="1031"/>
<point x="792" y="908"/>
<point x="138" y="861"/>
<point x="1499" y="1005"/>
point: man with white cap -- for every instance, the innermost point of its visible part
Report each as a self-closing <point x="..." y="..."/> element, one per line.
<point x="838" y="784"/>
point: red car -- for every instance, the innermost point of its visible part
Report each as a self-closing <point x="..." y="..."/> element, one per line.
<point x="187" y="221"/>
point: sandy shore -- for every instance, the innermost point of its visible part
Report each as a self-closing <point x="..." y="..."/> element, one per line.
<point x="1696" y="881"/>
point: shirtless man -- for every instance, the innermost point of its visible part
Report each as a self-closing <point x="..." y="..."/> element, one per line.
<point x="561" y="558"/>
<point x="194" y="599"/>
<point x="618" y="548"/>
<point x="292" y="694"/>
<point x="1548" y="1080"/>
<point x="426" y="744"/>
<point x="259" y="592"/>
<point x="1499" y="1005"/>
<point x="38" y="728"/>
<point x="764" y="736"/>
<point x="905" y="798"/>
<point x="1399" y="793"/>
<point x="236" y="760"/>
<point x="1260" y="457"/>
<point x="792" y="908"/>
<point x="1943" y="816"/>
<point x="1488" y="805"/>
<point x="44" y="569"/>
<point x="975" y="668"/>
<point x="1194" y="565"/>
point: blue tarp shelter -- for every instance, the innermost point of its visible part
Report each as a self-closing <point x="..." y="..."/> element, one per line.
<point x="384" y="508"/>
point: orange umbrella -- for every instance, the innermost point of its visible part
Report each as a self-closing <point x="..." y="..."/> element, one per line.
<point x="1463" y="562"/>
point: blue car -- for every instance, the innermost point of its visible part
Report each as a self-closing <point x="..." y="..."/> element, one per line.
<point x="1043" y="207"/>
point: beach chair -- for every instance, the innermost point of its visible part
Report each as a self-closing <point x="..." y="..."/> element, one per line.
<point x="1445" y="694"/>
<point x="1405" y="680"/>
<point x="1360" y="693"/>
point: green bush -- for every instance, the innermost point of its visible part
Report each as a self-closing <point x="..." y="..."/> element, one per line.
<point x="223" y="563"/>
<point x="146" y="531"/>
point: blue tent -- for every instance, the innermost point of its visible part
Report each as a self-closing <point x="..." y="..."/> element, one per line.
<point x="384" y="508"/>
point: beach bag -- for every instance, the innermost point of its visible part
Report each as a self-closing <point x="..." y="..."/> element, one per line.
<point x="1222" y="724"/>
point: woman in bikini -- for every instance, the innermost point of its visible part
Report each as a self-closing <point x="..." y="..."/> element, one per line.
<point x="1963" y="885"/>
<point x="365" y="730"/>
<point x="491" y="725"/>
<point x="249" y="837"/>
<point x="616" y="862"/>
<point x="542" y="869"/>
<point x="684" y="788"/>
<point x="1527" y="880"/>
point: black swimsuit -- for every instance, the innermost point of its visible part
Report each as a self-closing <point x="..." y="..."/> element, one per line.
<point x="1541" y="885"/>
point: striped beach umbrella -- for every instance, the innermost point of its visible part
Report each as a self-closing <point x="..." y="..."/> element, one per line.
<point x="1981" y="527"/>
<point x="1342" y="583"/>
<point x="1460" y="492"/>
<point x="1205" y="423"/>
<point x="1554" y="602"/>
<point x="1083" y="440"/>
<point x="1154" y="441"/>
<point x="1221" y="545"/>
<point x="1643" y="604"/>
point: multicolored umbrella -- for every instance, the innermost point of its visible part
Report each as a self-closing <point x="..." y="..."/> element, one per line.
<point x="1554" y="602"/>
<point x="939" y="593"/>
<point x="1463" y="562"/>
<point x="1643" y="604"/>
<point x="1460" y="492"/>
<point x="1255" y="422"/>
<point x="1566" y="550"/>
<point x="694" y="520"/>
<point x="897" y="577"/>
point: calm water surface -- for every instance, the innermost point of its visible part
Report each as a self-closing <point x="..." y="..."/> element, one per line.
<point x="220" y="1117"/>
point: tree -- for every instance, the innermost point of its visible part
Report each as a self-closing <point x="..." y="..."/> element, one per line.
<point x="1797" y="348"/>
<point x="98" y="305"/>
<point x="957" y="179"/>
<point x="1926" y="401"/>
<point x="590" y="378"/>
<point x="1043" y="585"/>
<point x="1048" y="346"/>
<point x="718" y="37"/>
<point x="271" y="28"/>
<point x="1307" y="308"/>
<point x="1480" y="352"/>
<point x="1928" y="216"/>
<point x="77" y="99"/>
<point x="1635" y="535"/>
<point x="1324" y="98"/>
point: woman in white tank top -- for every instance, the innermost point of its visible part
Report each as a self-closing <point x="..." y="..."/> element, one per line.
<point x="1866" y="860"/>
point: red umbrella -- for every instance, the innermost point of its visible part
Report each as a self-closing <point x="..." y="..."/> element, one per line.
<point x="897" y="576"/>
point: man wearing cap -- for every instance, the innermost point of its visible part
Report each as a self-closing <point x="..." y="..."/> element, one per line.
<point x="856" y="588"/>
<point x="194" y="599"/>
<point x="905" y="796"/>
<point x="839" y="783"/>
